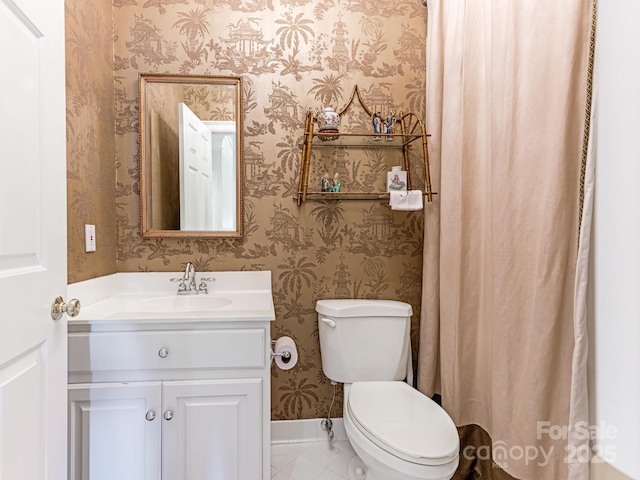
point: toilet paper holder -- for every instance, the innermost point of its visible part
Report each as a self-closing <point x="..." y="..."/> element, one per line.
<point x="286" y="355"/>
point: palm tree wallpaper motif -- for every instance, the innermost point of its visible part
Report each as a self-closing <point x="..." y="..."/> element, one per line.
<point x="294" y="273"/>
<point x="327" y="90"/>
<point x="293" y="56"/>
<point x="195" y="26"/>
<point x="294" y="29"/>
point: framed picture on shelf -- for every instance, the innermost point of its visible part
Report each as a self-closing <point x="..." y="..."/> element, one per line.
<point x="397" y="181"/>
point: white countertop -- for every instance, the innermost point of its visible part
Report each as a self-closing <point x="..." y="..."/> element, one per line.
<point x="151" y="297"/>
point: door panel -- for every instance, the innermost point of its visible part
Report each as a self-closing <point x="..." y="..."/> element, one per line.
<point x="22" y="394"/>
<point x="112" y="434"/>
<point x="19" y="239"/>
<point x="32" y="240"/>
<point x="215" y="431"/>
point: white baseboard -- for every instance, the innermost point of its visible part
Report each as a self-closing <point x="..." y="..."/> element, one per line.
<point x="309" y="430"/>
<point x="600" y="470"/>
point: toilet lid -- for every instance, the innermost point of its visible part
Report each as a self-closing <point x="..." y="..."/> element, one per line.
<point x="404" y="422"/>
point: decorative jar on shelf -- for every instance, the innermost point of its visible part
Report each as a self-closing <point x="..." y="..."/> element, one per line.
<point x="328" y="121"/>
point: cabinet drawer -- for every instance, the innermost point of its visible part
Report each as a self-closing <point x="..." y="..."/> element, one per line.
<point x="108" y="351"/>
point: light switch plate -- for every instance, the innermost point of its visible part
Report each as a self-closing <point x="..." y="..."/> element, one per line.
<point x="90" y="238"/>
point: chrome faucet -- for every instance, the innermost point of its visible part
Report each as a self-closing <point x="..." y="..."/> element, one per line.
<point x="190" y="276"/>
<point x="188" y="285"/>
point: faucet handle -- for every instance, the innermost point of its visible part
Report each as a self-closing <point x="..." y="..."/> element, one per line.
<point x="182" y="286"/>
<point x="203" y="284"/>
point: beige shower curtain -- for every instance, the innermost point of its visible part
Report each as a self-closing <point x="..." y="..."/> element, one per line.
<point x="507" y="107"/>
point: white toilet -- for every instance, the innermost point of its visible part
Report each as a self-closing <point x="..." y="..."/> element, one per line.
<point x="398" y="433"/>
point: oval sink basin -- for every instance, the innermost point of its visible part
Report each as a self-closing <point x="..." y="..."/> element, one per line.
<point x="179" y="303"/>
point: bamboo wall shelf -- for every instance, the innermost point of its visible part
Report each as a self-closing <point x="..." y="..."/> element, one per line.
<point x="412" y="134"/>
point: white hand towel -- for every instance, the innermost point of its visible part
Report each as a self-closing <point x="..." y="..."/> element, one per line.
<point x="408" y="201"/>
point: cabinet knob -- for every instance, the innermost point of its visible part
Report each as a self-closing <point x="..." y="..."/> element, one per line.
<point x="168" y="415"/>
<point x="163" y="353"/>
<point x="150" y="416"/>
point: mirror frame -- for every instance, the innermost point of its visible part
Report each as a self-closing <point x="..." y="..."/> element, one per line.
<point x="144" y="170"/>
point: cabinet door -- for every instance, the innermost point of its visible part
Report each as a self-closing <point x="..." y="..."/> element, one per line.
<point x="114" y="431"/>
<point x="214" y="431"/>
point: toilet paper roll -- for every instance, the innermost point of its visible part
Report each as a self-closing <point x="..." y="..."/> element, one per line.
<point x="286" y="344"/>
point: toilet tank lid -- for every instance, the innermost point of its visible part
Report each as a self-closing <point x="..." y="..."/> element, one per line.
<point x="343" y="308"/>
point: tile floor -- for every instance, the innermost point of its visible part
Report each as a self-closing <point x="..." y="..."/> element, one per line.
<point x="314" y="460"/>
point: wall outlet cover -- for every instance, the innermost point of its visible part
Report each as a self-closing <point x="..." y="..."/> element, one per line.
<point x="90" y="238"/>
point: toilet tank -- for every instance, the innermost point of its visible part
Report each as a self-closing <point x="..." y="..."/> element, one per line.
<point x="364" y="340"/>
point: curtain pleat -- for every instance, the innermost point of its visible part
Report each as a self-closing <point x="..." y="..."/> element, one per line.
<point x="579" y="400"/>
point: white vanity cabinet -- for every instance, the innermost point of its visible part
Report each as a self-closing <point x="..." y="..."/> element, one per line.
<point x="172" y="400"/>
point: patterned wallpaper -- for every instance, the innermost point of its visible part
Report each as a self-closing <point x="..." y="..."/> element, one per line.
<point x="292" y="55"/>
<point x="91" y="174"/>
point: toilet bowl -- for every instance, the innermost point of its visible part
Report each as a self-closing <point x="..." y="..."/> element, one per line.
<point x="398" y="433"/>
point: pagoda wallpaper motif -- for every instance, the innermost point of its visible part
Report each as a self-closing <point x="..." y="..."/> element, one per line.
<point x="292" y="55"/>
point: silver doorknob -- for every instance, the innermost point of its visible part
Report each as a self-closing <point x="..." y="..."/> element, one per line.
<point x="168" y="415"/>
<point x="58" y="307"/>
<point x="150" y="416"/>
<point x="163" y="353"/>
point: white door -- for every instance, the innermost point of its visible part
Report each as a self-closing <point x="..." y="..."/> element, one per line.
<point x="198" y="208"/>
<point x="114" y="431"/>
<point x="212" y="430"/>
<point x="33" y="355"/>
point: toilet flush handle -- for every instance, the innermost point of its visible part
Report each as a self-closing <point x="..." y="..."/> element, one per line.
<point x="329" y="322"/>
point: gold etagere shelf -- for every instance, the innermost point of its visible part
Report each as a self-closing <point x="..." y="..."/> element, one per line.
<point x="412" y="131"/>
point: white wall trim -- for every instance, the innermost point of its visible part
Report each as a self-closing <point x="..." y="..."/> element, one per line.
<point x="600" y="470"/>
<point x="94" y="289"/>
<point x="309" y="430"/>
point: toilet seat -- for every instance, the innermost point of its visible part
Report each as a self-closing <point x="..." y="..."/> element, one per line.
<point x="404" y="422"/>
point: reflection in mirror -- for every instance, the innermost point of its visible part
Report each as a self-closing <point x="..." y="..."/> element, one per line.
<point x="191" y="156"/>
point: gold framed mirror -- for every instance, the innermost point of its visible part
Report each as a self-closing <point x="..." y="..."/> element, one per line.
<point x="191" y="165"/>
